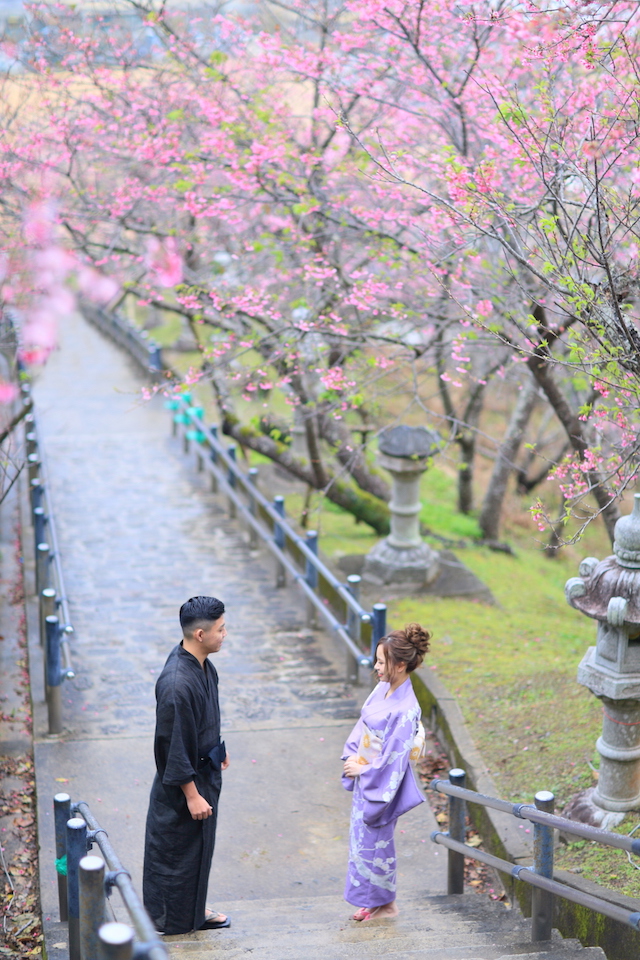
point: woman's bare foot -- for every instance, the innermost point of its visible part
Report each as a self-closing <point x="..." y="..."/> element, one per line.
<point x="387" y="910"/>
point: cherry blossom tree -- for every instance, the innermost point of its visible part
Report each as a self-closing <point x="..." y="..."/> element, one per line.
<point x="366" y="197"/>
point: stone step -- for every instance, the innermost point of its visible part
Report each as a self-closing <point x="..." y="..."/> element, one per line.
<point x="471" y="927"/>
<point x="271" y="950"/>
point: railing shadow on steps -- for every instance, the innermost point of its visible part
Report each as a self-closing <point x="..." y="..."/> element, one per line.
<point x="85" y="883"/>
<point x="338" y="604"/>
<point x="54" y="627"/>
<point x="540" y="874"/>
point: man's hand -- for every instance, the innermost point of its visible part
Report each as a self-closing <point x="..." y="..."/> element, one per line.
<point x="225" y="762"/>
<point x="352" y="768"/>
<point x="198" y="807"/>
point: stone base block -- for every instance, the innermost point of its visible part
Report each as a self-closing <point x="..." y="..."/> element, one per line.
<point x="607" y="683"/>
<point x="387" y="564"/>
<point x="583" y="808"/>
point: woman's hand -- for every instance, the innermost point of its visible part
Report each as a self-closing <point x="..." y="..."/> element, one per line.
<point x="351" y="767"/>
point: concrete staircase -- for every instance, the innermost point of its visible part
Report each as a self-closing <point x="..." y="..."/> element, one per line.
<point x="470" y="927"/>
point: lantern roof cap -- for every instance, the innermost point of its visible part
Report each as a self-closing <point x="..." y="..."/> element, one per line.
<point x="406" y="441"/>
<point x="626" y="544"/>
<point x="609" y="589"/>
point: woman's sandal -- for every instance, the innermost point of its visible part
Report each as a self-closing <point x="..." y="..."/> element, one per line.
<point x="362" y="914"/>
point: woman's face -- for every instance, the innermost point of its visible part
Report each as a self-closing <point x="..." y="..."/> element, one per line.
<point x="380" y="666"/>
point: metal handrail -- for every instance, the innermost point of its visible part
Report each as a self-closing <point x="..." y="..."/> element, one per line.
<point x="82" y="902"/>
<point x="230" y="478"/>
<point x="142" y="348"/>
<point x="527" y="811"/>
<point x="540" y="875"/>
<point x="62" y="600"/>
<point x="211" y="441"/>
<point x="142" y="923"/>
<point x="528" y="875"/>
<point x="132" y="340"/>
<point x="297" y="575"/>
<point x="54" y="636"/>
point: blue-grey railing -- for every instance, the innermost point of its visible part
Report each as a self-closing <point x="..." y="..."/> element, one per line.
<point x="85" y="884"/>
<point x="279" y="536"/>
<point x="143" y="348"/>
<point x="540" y="874"/>
<point x="265" y="519"/>
<point x="55" y="625"/>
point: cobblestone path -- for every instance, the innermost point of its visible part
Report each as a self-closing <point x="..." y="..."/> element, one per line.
<point x="139" y="533"/>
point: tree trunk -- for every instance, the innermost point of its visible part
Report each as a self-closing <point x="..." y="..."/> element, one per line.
<point x="349" y="454"/>
<point x="467" y="442"/>
<point x="505" y="461"/>
<point x="363" y="506"/>
<point x="540" y="368"/>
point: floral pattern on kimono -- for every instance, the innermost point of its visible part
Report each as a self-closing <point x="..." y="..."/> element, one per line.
<point x="385" y="789"/>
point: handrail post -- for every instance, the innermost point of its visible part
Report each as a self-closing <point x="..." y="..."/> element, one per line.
<point x="33" y="466"/>
<point x="365" y="621"/>
<point x="311" y="576"/>
<point x="76" y="849"/>
<point x="542" y="900"/>
<point x="39" y="522"/>
<point x="353" y="627"/>
<point x="155" y="358"/>
<point x="92" y="902"/>
<point x="31" y="440"/>
<point x="457" y="815"/>
<point x="54" y="675"/>
<point x="379" y="612"/>
<point x="62" y="813"/>
<point x="43" y="558"/>
<point x="278" y="536"/>
<point x="36" y="493"/>
<point x="213" y="430"/>
<point x="116" y="941"/>
<point x="47" y="609"/>
<point x="252" y="476"/>
<point x="231" y="480"/>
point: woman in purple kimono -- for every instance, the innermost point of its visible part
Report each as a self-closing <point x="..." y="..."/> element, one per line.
<point x="378" y="771"/>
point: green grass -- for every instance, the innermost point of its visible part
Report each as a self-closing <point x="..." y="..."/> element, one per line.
<point x="439" y="511"/>
<point x="601" y="864"/>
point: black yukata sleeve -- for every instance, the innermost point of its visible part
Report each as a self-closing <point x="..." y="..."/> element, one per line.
<point x="180" y="733"/>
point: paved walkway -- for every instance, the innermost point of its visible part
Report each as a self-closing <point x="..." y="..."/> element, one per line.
<point x="139" y="533"/>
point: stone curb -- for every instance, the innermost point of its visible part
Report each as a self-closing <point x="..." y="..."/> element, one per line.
<point x="503" y="838"/>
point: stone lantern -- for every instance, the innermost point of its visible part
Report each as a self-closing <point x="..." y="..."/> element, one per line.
<point x="609" y="591"/>
<point x="403" y="556"/>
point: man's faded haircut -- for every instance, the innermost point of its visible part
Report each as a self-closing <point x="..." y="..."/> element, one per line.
<point x="200" y="612"/>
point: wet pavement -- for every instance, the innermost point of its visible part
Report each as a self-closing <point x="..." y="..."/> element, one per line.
<point x="139" y="533"/>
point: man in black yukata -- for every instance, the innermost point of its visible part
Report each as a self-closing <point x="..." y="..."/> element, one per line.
<point x="183" y="807"/>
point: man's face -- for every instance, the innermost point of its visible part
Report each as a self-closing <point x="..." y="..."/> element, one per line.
<point x="213" y="635"/>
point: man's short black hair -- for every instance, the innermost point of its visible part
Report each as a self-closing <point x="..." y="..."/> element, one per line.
<point x="200" y="612"/>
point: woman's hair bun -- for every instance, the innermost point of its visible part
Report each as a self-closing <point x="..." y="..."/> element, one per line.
<point x="418" y="636"/>
<point x="407" y="646"/>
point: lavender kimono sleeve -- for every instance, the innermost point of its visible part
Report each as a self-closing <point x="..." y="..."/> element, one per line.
<point x="388" y="785"/>
<point x="350" y="750"/>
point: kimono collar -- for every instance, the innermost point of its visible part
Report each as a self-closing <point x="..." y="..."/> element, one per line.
<point x="185" y="653"/>
<point x="400" y="691"/>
